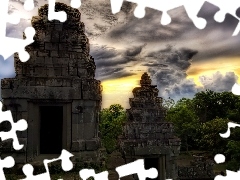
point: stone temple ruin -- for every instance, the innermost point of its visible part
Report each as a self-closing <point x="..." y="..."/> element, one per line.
<point x="55" y="91"/>
<point x="147" y="135"/>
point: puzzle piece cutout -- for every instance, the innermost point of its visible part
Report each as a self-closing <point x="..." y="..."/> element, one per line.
<point x="137" y="167"/>
<point x="230" y="125"/>
<point x="87" y="173"/>
<point x="220" y="158"/>
<point x="20" y="125"/>
<point x="61" y="15"/>
<point x="192" y="8"/>
<point x="9" y="45"/>
<point x="236" y="89"/>
<point x="7" y="162"/>
<point x="67" y="165"/>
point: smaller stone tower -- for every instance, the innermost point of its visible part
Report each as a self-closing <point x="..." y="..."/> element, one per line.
<point x="147" y="135"/>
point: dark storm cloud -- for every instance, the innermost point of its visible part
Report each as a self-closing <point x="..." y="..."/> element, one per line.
<point x="171" y="78"/>
<point x="179" y="59"/>
<point x="105" y="56"/>
<point x="149" y="28"/>
<point x="103" y="52"/>
<point x="108" y="73"/>
<point x="154" y="64"/>
<point x="213" y="40"/>
<point x="111" y="63"/>
<point x="134" y="51"/>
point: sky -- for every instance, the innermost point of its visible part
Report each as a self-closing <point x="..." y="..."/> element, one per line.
<point x="181" y="59"/>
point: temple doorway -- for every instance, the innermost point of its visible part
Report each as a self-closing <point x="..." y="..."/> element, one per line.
<point x="152" y="163"/>
<point x="51" y="129"/>
<point x="158" y="163"/>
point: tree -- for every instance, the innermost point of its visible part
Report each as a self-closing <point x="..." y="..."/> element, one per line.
<point x="210" y="139"/>
<point x="185" y="121"/>
<point x="111" y="123"/>
<point x="209" y="104"/>
<point x="233" y="150"/>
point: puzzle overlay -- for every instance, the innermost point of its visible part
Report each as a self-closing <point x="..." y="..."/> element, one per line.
<point x="11" y="45"/>
<point x="8" y="46"/>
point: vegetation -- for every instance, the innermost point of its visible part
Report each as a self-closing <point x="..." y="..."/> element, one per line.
<point x="111" y="123"/>
<point x="199" y="121"/>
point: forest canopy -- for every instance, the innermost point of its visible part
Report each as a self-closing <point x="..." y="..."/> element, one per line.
<point x="197" y="122"/>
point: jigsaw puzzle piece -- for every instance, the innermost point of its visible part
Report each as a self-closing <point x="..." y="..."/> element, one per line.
<point x="192" y="8"/>
<point x="29" y="5"/>
<point x="226" y="7"/>
<point x="9" y="46"/>
<point x="116" y="5"/>
<point x="87" y="173"/>
<point x="208" y="11"/>
<point x="12" y="45"/>
<point x="67" y="165"/>
<point x="28" y="171"/>
<point x="53" y="15"/>
<point x="20" y="125"/>
<point x="137" y="167"/>
<point x="229" y="175"/>
<point x="236" y="89"/>
<point x="237" y="30"/>
<point x="230" y="125"/>
<point x="7" y="162"/>
<point x="13" y="18"/>
<point x="60" y="15"/>
<point x="65" y="156"/>
<point x="75" y="3"/>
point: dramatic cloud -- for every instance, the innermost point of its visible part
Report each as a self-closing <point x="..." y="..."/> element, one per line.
<point x="123" y="45"/>
<point x="171" y="78"/>
<point x="111" y="63"/>
<point x="219" y="82"/>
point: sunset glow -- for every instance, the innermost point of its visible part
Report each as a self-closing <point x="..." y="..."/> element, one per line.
<point x="208" y="68"/>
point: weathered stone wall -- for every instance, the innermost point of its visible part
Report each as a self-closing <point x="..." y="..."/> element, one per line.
<point x="200" y="168"/>
<point x="60" y="72"/>
<point x="146" y="134"/>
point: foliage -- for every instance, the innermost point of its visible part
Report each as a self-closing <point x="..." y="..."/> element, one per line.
<point x="198" y="122"/>
<point x="209" y="104"/>
<point x="210" y="139"/>
<point x="233" y="150"/>
<point x="111" y="123"/>
<point x="185" y="121"/>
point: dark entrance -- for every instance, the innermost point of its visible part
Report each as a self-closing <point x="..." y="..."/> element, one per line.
<point x="152" y="163"/>
<point x="51" y="118"/>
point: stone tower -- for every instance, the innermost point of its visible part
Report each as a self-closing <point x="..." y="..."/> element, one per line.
<point x="55" y="91"/>
<point x="147" y="135"/>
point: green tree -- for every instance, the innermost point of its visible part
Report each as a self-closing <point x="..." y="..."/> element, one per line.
<point x="209" y="104"/>
<point x="210" y="139"/>
<point x="233" y="150"/>
<point x="111" y="123"/>
<point x="185" y="122"/>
